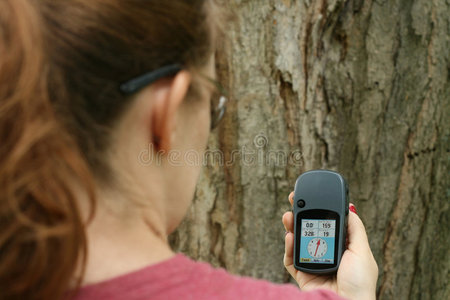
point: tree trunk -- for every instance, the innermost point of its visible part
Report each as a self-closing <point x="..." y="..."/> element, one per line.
<point x="360" y="87"/>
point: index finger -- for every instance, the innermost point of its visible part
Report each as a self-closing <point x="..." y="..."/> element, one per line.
<point x="357" y="237"/>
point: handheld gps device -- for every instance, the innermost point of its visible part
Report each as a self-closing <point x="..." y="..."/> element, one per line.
<point x="320" y="221"/>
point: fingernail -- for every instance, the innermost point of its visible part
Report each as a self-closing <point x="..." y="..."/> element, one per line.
<point x="353" y="208"/>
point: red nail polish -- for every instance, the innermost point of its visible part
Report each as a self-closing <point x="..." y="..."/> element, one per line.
<point x="353" y="208"/>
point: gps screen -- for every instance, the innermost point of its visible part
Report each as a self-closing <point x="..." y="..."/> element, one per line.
<point x="317" y="241"/>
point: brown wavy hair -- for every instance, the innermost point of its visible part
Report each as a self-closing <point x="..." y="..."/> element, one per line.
<point x="61" y="63"/>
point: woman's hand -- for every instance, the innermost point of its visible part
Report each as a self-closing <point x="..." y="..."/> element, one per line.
<point x="358" y="271"/>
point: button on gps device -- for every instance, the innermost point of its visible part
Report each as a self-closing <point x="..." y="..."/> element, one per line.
<point x="320" y="221"/>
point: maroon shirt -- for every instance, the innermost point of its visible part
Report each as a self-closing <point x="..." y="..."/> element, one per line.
<point x="183" y="278"/>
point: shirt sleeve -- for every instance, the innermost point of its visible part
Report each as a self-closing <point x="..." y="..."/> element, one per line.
<point x="219" y="284"/>
<point x="260" y="289"/>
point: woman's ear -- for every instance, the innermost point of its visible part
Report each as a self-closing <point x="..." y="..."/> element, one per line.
<point x="167" y="96"/>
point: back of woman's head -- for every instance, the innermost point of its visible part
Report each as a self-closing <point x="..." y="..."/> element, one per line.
<point x="61" y="63"/>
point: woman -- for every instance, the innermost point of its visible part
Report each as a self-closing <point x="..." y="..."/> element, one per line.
<point x="85" y="85"/>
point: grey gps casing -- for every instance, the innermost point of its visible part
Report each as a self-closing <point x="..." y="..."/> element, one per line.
<point x="320" y="194"/>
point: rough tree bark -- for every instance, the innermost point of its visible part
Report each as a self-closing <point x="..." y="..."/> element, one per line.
<point x="361" y="87"/>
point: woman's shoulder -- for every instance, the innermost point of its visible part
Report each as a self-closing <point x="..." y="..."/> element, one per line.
<point x="181" y="277"/>
<point x="219" y="284"/>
